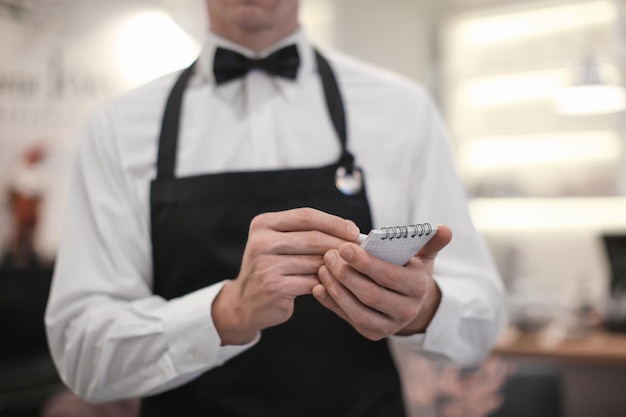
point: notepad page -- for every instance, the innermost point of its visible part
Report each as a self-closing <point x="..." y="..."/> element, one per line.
<point x="398" y="244"/>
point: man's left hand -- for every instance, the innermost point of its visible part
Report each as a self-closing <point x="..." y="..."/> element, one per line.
<point x="379" y="298"/>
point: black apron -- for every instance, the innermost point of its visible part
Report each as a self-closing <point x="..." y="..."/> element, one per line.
<point x="315" y="364"/>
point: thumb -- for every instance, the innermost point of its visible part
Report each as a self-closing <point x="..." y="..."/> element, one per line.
<point x="438" y="242"/>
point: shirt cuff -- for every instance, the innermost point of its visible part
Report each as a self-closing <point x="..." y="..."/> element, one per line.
<point x="228" y="352"/>
<point x="466" y="324"/>
<point x="442" y="340"/>
<point x="438" y="339"/>
<point x="441" y="336"/>
<point x="193" y="341"/>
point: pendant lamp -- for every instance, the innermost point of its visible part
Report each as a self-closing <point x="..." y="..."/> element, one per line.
<point x="591" y="94"/>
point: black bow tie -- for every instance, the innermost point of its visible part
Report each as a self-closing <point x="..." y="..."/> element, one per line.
<point x="229" y="65"/>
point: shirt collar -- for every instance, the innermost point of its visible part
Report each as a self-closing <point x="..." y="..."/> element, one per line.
<point x="204" y="66"/>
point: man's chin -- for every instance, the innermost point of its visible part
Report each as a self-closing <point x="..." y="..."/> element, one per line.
<point x="253" y="19"/>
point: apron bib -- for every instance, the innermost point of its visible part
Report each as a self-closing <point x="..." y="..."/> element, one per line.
<point x="315" y="364"/>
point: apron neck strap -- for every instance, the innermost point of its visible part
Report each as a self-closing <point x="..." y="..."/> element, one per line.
<point x="334" y="104"/>
<point x="170" y="124"/>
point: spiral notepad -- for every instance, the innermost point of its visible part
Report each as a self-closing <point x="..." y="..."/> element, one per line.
<point x="397" y="244"/>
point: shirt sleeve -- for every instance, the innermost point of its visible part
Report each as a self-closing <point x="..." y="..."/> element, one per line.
<point x="471" y="314"/>
<point x="109" y="335"/>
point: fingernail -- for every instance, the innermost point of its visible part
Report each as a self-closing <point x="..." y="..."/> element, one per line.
<point x="347" y="252"/>
<point x="330" y="256"/>
<point x="353" y="229"/>
<point x="319" y="292"/>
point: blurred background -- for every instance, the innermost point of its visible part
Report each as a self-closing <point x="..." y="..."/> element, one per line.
<point x="532" y="92"/>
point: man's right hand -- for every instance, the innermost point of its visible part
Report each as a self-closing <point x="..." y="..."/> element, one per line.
<point x="280" y="262"/>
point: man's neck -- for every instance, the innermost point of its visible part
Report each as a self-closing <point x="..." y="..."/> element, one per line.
<point x="255" y="41"/>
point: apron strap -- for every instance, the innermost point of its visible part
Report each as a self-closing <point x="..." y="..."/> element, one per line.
<point x="170" y="124"/>
<point x="334" y="104"/>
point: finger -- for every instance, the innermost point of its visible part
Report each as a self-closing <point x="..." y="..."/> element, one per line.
<point x="269" y="265"/>
<point x="358" y="314"/>
<point x="302" y="219"/>
<point x="303" y="243"/>
<point x="299" y="264"/>
<point x="393" y="277"/>
<point x="301" y="284"/>
<point x="368" y="292"/>
<point x="320" y="293"/>
<point x="438" y="242"/>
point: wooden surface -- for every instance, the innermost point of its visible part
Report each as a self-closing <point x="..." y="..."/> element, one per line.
<point x="595" y="346"/>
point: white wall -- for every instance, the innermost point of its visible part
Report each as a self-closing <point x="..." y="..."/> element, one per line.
<point x="396" y="34"/>
<point x="58" y="61"/>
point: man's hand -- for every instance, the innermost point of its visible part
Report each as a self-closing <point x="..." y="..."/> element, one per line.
<point x="379" y="298"/>
<point x="280" y="262"/>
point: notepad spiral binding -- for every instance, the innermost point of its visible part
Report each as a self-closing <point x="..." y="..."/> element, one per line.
<point x="402" y="232"/>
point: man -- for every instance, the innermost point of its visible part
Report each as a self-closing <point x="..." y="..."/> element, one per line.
<point x="209" y="264"/>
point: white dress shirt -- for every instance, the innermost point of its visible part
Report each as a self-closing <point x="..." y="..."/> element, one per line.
<point x="111" y="337"/>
